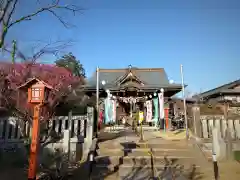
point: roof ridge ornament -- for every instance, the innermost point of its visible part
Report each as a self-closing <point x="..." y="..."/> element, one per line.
<point x="130" y="67"/>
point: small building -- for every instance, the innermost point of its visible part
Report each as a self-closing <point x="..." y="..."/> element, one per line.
<point x="229" y="93"/>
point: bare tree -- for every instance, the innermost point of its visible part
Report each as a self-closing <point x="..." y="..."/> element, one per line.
<point x="8" y="7"/>
<point x="55" y="48"/>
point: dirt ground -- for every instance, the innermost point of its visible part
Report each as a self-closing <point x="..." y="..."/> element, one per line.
<point x="13" y="174"/>
<point x="229" y="170"/>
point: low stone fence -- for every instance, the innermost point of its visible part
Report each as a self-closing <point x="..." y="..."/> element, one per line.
<point x="221" y="124"/>
<point x="72" y="134"/>
<point x="202" y="125"/>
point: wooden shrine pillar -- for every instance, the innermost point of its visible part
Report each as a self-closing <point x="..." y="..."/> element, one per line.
<point x="166" y="113"/>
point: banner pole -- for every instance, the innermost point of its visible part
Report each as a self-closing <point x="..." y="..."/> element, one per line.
<point x="184" y="102"/>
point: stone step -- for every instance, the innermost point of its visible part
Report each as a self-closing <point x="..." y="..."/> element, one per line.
<point x="207" y="152"/>
<point x="103" y="172"/>
<point x="143" y="172"/>
<point x="133" y="145"/>
<point x="144" y="160"/>
<point x="158" y="160"/>
<point x="143" y="152"/>
<point x="159" y="167"/>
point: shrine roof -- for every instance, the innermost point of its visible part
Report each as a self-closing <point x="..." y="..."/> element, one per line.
<point x="150" y="77"/>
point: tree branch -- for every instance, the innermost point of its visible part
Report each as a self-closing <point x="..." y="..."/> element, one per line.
<point x="65" y="24"/>
<point x="4" y="9"/>
<point x="10" y="7"/>
<point x="28" y="17"/>
<point x="11" y="13"/>
<point x="50" y="48"/>
<point x="50" y="8"/>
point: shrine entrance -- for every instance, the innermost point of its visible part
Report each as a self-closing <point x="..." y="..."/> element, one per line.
<point x="128" y="107"/>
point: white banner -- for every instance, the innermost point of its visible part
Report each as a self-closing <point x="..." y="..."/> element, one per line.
<point x="149" y="111"/>
<point x="114" y="108"/>
<point x="161" y="105"/>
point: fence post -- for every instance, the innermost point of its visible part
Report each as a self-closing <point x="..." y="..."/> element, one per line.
<point x="228" y="136"/>
<point x="90" y="118"/>
<point x="70" y="123"/>
<point x="229" y="145"/>
<point x="196" y="121"/>
<point x="72" y="137"/>
<point x="66" y="142"/>
<point x="215" y="151"/>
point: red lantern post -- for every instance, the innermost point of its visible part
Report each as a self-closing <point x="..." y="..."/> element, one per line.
<point x="34" y="145"/>
<point x="37" y="95"/>
<point x="166" y="113"/>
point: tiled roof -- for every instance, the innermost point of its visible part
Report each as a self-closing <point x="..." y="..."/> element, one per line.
<point x="220" y="89"/>
<point x="231" y="91"/>
<point x="151" y="77"/>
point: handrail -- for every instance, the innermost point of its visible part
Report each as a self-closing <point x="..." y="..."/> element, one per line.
<point x="150" y="153"/>
<point x="152" y="164"/>
<point x="91" y="154"/>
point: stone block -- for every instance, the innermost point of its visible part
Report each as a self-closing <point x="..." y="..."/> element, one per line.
<point x="218" y="144"/>
<point x="66" y="139"/>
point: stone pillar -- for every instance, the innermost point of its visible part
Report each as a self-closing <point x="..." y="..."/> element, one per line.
<point x="218" y="145"/>
<point x="66" y="140"/>
<point x="229" y="145"/>
<point x="196" y="121"/>
<point x="70" y="123"/>
<point x="90" y="118"/>
<point x="72" y="149"/>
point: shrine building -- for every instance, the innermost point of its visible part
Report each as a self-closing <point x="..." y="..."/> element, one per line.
<point x="131" y="89"/>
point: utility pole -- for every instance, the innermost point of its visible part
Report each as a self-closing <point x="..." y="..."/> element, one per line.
<point x="184" y="102"/>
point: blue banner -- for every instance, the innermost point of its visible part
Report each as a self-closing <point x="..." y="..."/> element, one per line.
<point x="155" y="103"/>
<point x="106" y="109"/>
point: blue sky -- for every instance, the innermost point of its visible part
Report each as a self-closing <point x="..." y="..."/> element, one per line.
<point x="203" y="35"/>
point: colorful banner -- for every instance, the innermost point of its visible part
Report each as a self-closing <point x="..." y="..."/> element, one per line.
<point x="155" y="103"/>
<point x="161" y="105"/>
<point x="108" y="108"/>
<point x="149" y="111"/>
<point x="114" y="108"/>
<point x="106" y="105"/>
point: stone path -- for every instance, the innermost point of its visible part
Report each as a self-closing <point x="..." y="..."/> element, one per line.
<point x="121" y="156"/>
